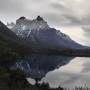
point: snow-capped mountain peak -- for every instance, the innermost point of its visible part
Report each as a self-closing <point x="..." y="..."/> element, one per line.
<point x="24" y="25"/>
<point x="41" y="36"/>
<point x="38" y="23"/>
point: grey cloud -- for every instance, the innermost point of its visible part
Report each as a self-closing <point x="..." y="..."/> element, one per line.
<point x="74" y="20"/>
<point x="55" y="11"/>
<point x="74" y="9"/>
<point x="58" y="19"/>
<point x="11" y="6"/>
<point x="57" y="6"/>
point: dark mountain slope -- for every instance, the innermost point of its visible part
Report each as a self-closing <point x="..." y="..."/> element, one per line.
<point x="10" y="44"/>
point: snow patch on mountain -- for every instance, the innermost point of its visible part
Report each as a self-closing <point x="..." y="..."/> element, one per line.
<point x="10" y="25"/>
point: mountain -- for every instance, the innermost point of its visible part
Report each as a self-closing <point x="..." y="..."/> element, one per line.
<point x="42" y="38"/>
<point x="11" y="46"/>
<point x="37" y="37"/>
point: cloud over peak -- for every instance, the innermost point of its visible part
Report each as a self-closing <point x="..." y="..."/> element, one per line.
<point x="56" y="11"/>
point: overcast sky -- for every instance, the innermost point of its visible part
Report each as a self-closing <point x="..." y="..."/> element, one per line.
<point x="56" y="12"/>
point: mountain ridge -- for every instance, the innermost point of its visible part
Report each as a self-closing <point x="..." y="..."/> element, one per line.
<point x="40" y="35"/>
<point x="40" y="41"/>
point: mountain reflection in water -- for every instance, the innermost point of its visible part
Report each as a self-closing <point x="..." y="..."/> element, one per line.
<point x="37" y="66"/>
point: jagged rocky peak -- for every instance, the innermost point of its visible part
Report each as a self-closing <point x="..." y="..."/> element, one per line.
<point x="26" y="24"/>
<point x="39" y="18"/>
<point x="24" y="20"/>
<point x="20" y="20"/>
